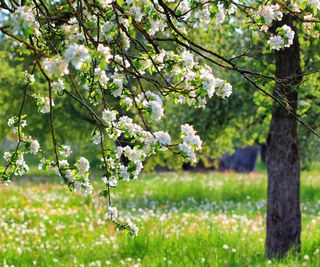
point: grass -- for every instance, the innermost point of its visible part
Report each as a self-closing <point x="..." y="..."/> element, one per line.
<point x="185" y="219"/>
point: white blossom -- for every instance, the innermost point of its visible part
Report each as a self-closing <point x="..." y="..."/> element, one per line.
<point x="136" y="11"/>
<point x="276" y="42"/>
<point x="270" y="13"/>
<point x="112" y="181"/>
<point x="124" y="174"/>
<point x="187" y="58"/>
<point x="84" y="188"/>
<point x="24" y="20"/>
<point x="112" y="213"/>
<point x="96" y="138"/>
<point x="134" y="230"/>
<point x="70" y="175"/>
<point x="10" y="121"/>
<point x="7" y="156"/>
<point x="21" y="166"/>
<point x="56" y="66"/>
<point x="83" y="166"/>
<point x="225" y="90"/>
<point x="133" y="154"/>
<point x="109" y="115"/>
<point x="57" y="86"/>
<point x="34" y="147"/>
<point x="77" y="55"/>
<point x="63" y="164"/>
<point x="44" y="103"/>
<point x="315" y="3"/>
<point x="65" y="151"/>
<point x="163" y="137"/>
<point x="220" y="16"/>
<point x="191" y="142"/>
<point x="289" y="34"/>
<point x="105" y="51"/>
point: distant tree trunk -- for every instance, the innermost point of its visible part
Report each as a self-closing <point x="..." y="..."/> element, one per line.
<point x="282" y="156"/>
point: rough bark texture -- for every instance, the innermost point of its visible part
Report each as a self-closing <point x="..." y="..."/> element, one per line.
<point x="282" y="157"/>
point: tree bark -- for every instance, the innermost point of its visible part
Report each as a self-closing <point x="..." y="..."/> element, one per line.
<point x="282" y="156"/>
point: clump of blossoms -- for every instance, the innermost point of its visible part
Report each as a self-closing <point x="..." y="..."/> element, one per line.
<point x="284" y="38"/>
<point x="120" y="61"/>
<point x="16" y="165"/>
<point x="191" y="142"/>
<point x="267" y="14"/>
<point x="23" y="20"/>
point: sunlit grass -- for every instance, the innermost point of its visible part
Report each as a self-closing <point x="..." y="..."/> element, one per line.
<point x="184" y="219"/>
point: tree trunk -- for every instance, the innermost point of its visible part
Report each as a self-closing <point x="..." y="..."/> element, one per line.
<point x="282" y="156"/>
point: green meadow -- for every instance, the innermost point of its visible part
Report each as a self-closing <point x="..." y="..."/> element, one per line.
<point x="184" y="219"/>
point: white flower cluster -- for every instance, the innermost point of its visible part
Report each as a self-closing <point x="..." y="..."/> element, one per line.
<point x="315" y="3"/>
<point x="44" y="103"/>
<point x="214" y="85"/>
<point x="134" y="230"/>
<point x="65" y="151"/>
<point x="113" y="182"/>
<point x="77" y="55"/>
<point x="109" y="116"/>
<point x="198" y="81"/>
<point x="14" y="123"/>
<point x="309" y="24"/>
<point x="154" y="104"/>
<point x="56" y="66"/>
<point x="163" y="138"/>
<point x="24" y="21"/>
<point x="34" y="147"/>
<point x="96" y="138"/>
<point x="57" y="86"/>
<point x="21" y="167"/>
<point x="105" y="51"/>
<point x="7" y="156"/>
<point x="79" y="177"/>
<point x="28" y="78"/>
<point x="269" y="13"/>
<point x="83" y="166"/>
<point x="283" y="39"/>
<point x="82" y="183"/>
<point x="220" y="17"/>
<point x="113" y="215"/>
<point x="26" y="144"/>
<point x="191" y="142"/>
